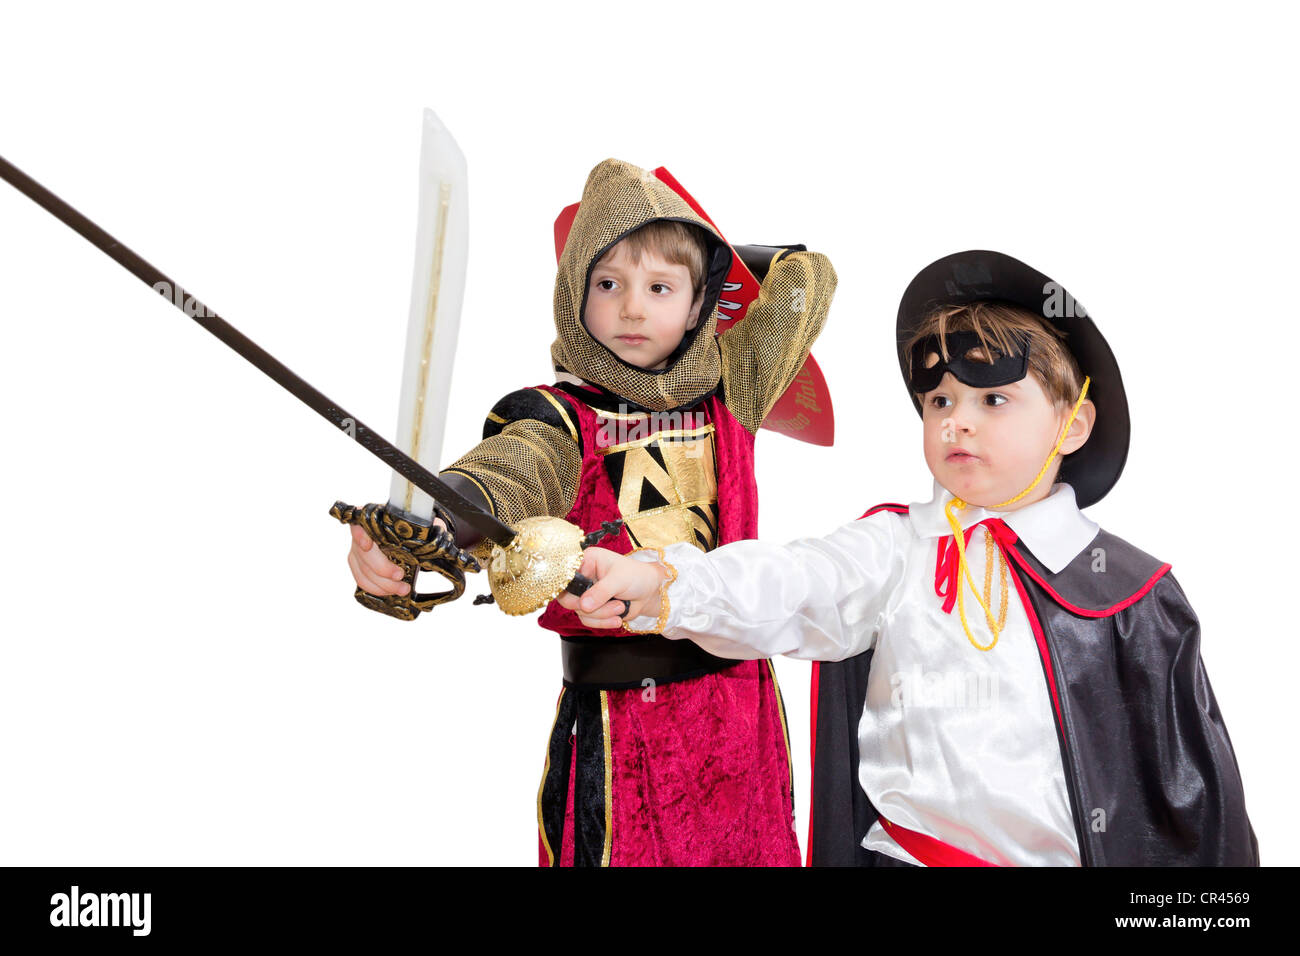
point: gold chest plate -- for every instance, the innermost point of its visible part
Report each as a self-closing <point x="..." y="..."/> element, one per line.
<point x="666" y="481"/>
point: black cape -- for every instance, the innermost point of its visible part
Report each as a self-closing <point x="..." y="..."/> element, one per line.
<point x="1152" y="777"/>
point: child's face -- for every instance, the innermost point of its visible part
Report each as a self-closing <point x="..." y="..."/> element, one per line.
<point x="640" y="311"/>
<point x="985" y="445"/>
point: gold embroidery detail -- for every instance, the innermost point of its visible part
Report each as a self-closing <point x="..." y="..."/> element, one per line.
<point x="662" y="620"/>
<point x="699" y="502"/>
<point x="687" y="478"/>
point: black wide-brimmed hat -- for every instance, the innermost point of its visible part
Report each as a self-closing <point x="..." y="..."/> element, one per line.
<point x="982" y="275"/>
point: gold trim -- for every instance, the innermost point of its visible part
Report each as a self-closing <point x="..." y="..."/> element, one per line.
<point x="665" y="606"/>
<point x="609" y="782"/>
<point x="573" y="432"/>
<point x="785" y="730"/>
<point x="478" y="484"/>
<point x="494" y="417"/>
<point x="620" y="416"/>
<point x="546" y="772"/>
<point x="430" y="321"/>
<point x="664" y="509"/>
<point x="683" y="433"/>
<point x="671" y="465"/>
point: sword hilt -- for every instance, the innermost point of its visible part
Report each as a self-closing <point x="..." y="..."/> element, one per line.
<point x="414" y="548"/>
<point x="579" y="585"/>
<point x="608" y="529"/>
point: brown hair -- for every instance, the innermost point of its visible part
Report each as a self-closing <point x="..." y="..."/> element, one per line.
<point x="676" y="242"/>
<point x="1003" y="326"/>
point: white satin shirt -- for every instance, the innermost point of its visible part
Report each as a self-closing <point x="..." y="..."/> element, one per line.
<point x="956" y="743"/>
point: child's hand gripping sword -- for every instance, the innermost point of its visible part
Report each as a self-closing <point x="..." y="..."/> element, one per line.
<point x="528" y="567"/>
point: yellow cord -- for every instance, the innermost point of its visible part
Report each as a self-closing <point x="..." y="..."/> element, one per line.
<point x="956" y="504"/>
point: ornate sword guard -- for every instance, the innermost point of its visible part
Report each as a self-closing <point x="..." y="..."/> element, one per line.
<point x="541" y="561"/>
<point x="536" y="566"/>
<point x="415" y="548"/>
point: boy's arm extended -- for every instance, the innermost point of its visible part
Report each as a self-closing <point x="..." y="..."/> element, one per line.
<point x="527" y="464"/>
<point x="814" y="598"/>
<point x="764" y="351"/>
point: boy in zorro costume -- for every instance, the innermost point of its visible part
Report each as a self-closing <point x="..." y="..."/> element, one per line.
<point x="1081" y="728"/>
<point x="660" y="752"/>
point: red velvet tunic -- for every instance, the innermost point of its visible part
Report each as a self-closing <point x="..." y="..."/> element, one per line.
<point x="694" y="772"/>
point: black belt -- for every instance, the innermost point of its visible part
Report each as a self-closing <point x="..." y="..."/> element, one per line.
<point x="620" y="663"/>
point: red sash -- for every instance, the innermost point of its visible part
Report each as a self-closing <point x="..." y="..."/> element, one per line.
<point x="928" y="850"/>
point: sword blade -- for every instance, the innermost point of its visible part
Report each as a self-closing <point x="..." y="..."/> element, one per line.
<point x="464" y="510"/>
<point x="437" y="291"/>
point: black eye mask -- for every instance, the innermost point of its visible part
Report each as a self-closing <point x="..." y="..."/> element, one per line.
<point x="977" y="373"/>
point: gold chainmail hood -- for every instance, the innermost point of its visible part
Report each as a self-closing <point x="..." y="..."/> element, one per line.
<point x="618" y="199"/>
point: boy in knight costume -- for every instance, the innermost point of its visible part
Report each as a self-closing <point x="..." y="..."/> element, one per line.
<point x="660" y="753"/>
<point x="1072" y="724"/>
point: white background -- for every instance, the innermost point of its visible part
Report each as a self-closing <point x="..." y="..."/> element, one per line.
<point x="186" y="678"/>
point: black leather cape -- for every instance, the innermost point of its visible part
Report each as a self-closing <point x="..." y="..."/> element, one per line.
<point x="1152" y="777"/>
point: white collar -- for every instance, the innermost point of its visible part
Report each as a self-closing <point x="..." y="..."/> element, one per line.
<point x="1054" y="529"/>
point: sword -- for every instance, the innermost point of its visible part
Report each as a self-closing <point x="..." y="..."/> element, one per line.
<point x="403" y="528"/>
<point x="462" y="510"/>
<point x="437" y="291"/>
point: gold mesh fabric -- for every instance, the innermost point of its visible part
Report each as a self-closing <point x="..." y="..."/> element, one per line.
<point x="618" y="198"/>
<point x="529" y="468"/>
<point x="762" y="353"/>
